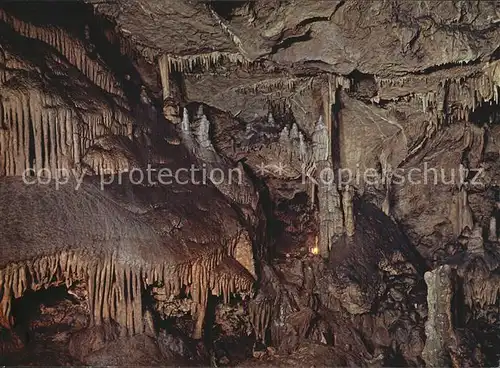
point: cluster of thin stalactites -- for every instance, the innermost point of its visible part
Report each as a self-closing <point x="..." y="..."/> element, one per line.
<point x="115" y="288"/>
<point x="72" y="49"/>
<point x="470" y="91"/>
<point x="36" y="137"/>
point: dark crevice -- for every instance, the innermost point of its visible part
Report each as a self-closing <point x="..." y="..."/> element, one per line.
<point x="31" y="140"/>
<point x="307" y="21"/>
<point x="363" y="86"/>
<point x="485" y="114"/>
<point x="225" y="9"/>
<point x="284" y="44"/>
<point x="27" y="308"/>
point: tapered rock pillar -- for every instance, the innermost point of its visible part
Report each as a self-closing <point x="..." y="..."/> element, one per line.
<point x="493" y="229"/>
<point x="348" y="207"/>
<point x="331" y="222"/>
<point x="200" y="320"/>
<point x="439" y="327"/>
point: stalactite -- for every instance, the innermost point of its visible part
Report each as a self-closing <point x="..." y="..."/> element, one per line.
<point x="115" y="288"/>
<point x="188" y="63"/>
<point x="260" y="317"/>
<point x="284" y="137"/>
<point x="72" y="49"/>
<point x="461" y="213"/>
<point x="164" y="66"/>
<point x="275" y="84"/>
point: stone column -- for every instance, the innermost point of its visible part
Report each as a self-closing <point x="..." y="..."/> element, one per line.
<point x="439" y="327"/>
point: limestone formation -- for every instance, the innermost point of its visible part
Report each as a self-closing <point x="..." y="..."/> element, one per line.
<point x="475" y="241"/>
<point x="270" y="119"/>
<point x="202" y="133"/>
<point x="302" y="148"/>
<point x="386" y="204"/>
<point x="294" y="132"/>
<point x="321" y="141"/>
<point x="493" y="232"/>
<point x="347" y="206"/>
<point x="172" y="183"/>
<point x="460" y="213"/>
<point x="185" y="124"/>
<point x="199" y="112"/>
<point x="439" y="326"/>
<point x="284" y="137"/>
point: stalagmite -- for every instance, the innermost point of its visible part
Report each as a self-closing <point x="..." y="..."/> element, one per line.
<point x="320" y="140"/>
<point x="270" y="119"/>
<point x="185" y="124"/>
<point x="199" y="112"/>
<point x="331" y="218"/>
<point x="347" y="205"/>
<point x="164" y="66"/>
<point x="294" y="132"/>
<point x="202" y="133"/>
<point x="386" y="205"/>
<point x="475" y="241"/>
<point x="331" y="221"/>
<point x="302" y="148"/>
<point x="492" y="236"/>
<point x="439" y="326"/>
<point x="200" y="318"/>
<point x="284" y="137"/>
